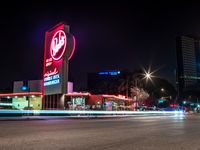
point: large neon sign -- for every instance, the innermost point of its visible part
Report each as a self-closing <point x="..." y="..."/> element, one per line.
<point x="58" y="45"/>
<point x="59" y="48"/>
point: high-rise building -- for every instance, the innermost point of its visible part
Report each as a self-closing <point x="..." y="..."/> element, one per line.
<point x="188" y="64"/>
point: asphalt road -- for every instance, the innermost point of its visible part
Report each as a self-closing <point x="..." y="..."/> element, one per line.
<point x="130" y="133"/>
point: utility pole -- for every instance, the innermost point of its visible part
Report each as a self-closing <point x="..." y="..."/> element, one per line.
<point x="136" y="93"/>
<point x="28" y="97"/>
<point x="127" y="87"/>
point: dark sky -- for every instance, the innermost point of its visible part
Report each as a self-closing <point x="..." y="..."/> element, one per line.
<point x="110" y="35"/>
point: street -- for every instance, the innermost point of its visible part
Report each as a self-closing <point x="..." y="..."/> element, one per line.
<point x="138" y="132"/>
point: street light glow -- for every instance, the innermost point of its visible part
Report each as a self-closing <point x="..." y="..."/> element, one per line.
<point x="148" y="75"/>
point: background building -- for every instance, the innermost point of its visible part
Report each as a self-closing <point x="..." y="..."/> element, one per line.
<point x="28" y="95"/>
<point x="104" y="82"/>
<point x="87" y="101"/>
<point x="188" y="65"/>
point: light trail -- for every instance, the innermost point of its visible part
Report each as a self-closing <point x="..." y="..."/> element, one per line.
<point x="89" y="112"/>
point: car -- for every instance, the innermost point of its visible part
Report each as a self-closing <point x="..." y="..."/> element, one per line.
<point x="142" y="108"/>
<point x="178" y="108"/>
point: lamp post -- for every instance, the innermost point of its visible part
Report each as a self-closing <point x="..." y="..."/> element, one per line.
<point x="147" y="76"/>
<point x="26" y="89"/>
<point x="137" y="78"/>
<point x="136" y="105"/>
<point x="166" y="94"/>
<point x="28" y="97"/>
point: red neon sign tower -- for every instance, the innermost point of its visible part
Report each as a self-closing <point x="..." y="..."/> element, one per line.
<point x="58" y="49"/>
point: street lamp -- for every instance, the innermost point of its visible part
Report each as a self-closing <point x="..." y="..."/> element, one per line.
<point x="25" y="88"/>
<point x="162" y="89"/>
<point x="148" y="75"/>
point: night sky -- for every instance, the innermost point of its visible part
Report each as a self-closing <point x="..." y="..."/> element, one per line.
<point x="110" y="35"/>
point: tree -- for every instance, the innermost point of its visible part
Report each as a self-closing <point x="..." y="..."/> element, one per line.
<point x="139" y="94"/>
<point x="125" y="83"/>
<point x="143" y="95"/>
<point x="130" y="80"/>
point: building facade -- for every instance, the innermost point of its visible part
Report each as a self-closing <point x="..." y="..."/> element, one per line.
<point x="87" y="101"/>
<point x="188" y="64"/>
<point x="28" y="95"/>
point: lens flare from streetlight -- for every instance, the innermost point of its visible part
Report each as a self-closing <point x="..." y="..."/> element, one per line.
<point x="148" y="74"/>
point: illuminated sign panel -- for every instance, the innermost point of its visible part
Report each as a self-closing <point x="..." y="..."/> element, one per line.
<point x="55" y="79"/>
<point x="112" y="73"/>
<point x="59" y="48"/>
